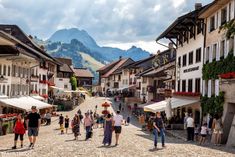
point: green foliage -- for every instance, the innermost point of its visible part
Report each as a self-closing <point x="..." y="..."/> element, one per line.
<point x="73" y="82"/>
<point x="215" y="68"/>
<point x="213" y="104"/>
<point x="229" y="27"/>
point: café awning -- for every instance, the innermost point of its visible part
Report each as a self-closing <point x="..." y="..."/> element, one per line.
<point x="175" y="102"/>
<point x="24" y="103"/>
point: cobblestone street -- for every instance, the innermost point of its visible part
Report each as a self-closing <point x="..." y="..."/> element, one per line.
<point x="134" y="142"/>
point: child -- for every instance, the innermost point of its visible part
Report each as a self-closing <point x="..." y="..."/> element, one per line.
<point x="204" y="130"/>
<point x="196" y="132"/>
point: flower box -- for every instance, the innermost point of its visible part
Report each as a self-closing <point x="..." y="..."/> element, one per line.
<point x="187" y="93"/>
<point x="51" y="84"/>
<point x="43" y="81"/>
<point x="228" y="75"/>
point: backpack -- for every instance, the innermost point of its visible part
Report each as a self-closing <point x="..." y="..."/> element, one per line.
<point x="81" y="117"/>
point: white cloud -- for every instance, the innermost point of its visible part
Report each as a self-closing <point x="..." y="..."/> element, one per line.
<point x="150" y="46"/>
<point x="157" y="7"/>
<point x="177" y="3"/>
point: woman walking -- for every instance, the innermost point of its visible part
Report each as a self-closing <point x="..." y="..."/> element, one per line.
<point x="218" y="129"/>
<point x="66" y="124"/>
<point x="76" y="126"/>
<point x="19" y="130"/>
<point x="108" y="130"/>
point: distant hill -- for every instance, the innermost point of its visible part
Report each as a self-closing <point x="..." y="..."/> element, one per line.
<point x="78" y="45"/>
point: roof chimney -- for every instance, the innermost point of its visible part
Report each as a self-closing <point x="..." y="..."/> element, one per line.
<point x="120" y="57"/>
<point x="198" y="6"/>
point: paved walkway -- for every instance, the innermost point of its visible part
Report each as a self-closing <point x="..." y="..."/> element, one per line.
<point x="133" y="142"/>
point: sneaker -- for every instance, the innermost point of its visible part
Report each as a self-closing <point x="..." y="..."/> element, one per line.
<point x="31" y="145"/>
<point x="14" y="147"/>
<point x="21" y="146"/>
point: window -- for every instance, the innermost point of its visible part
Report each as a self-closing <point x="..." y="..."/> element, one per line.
<point x="212" y="87"/>
<point x="4" y="70"/>
<point x="3" y="89"/>
<point x="198" y="55"/>
<point x="184" y="60"/>
<point x="9" y="70"/>
<point x="207" y="53"/>
<point x="190" y="85"/>
<point x="222" y="48"/>
<point x="179" y="61"/>
<point x="229" y="12"/>
<point x="214" y="51"/>
<point x="183" y="85"/>
<point x="223" y="15"/>
<point x="8" y="90"/>
<point x="212" y="23"/>
<point x="19" y="71"/>
<point x="65" y="86"/>
<point x="190" y="58"/>
<point x="178" y="86"/>
<point x="144" y="79"/>
<point x="143" y="90"/>
<point x="197" y="85"/>
<point x="199" y="28"/>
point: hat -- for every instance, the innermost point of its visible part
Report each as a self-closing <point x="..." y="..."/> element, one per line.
<point x="33" y="107"/>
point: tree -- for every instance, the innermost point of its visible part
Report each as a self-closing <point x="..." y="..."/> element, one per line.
<point x="73" y="82"/>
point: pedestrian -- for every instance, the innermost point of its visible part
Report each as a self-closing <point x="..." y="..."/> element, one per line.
<point x="48" y="118"/>
<point x="204" y="131"/>
<point x="87" y="126"/>
<point x="120" y="107"/>
<point x="190" y="128"/>
<point x="128" y="119"/>
<point x="158" y="127"/>
<point x="217" y="126"/>
<point x="61" y="123"/>
<point x="196" y="132"/>
<point x="76" y="126"/>
<point x="66" y="123"/>
<point x="33" y="125"/>
<point x="79" y="112"/>
<point x="108" y="129"/>
<point x="117" y="123"/>
<point x="19" y="130"/>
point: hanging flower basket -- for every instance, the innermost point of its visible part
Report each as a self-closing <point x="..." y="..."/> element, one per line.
<point x="105" y="112"/>
<point x="187" y="94"/>
<point x="105" y="104"/>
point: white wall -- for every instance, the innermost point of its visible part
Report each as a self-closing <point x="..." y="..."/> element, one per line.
<point x="193" y="45"/>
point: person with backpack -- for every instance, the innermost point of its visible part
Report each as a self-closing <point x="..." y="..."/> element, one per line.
<point x="19" y="130"/>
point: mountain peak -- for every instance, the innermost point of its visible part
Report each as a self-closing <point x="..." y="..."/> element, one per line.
<point x="66" y="35"/>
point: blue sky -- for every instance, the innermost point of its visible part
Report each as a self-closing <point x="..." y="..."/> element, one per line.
<point x="119" y="23"/>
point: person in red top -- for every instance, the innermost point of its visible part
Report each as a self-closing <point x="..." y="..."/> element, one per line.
<point x="19" y="130"/>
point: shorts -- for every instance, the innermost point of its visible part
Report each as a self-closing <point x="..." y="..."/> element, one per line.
<point x="32" y="131"/>
<point x="117" y="129"/>
<point x="218" y="132"/>
<point x="21" y="137"/>
<point x="203" y="135"/>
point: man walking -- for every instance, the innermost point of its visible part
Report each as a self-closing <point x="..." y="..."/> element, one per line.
<point x="158" y="128"/>
<point x="117" y="120"/>
<point x="190" y="128"/>
<point x="33" y="124"/>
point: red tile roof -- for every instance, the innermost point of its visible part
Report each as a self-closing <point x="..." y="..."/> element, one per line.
<point x="119" y="64"/>
<point x="108" y="65"/>
<point x="82" y="72"/>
